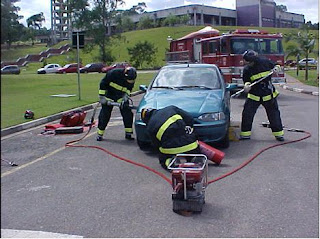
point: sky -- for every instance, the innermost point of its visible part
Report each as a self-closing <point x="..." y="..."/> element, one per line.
<point x="309" y="8"/>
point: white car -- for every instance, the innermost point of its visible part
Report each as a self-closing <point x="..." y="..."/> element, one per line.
<point x="50" y="68"/>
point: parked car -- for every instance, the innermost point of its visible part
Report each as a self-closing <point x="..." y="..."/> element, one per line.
<point x="115" y="65"/>
<point x="92" y="67"/>
<point x="199" y="89"/>
<point x="290" y="63"/>
<point x="10" y="69"/>
<point x="312" y="63"/>
<point x="50" y="68"/>
<point x="69" y="68"/>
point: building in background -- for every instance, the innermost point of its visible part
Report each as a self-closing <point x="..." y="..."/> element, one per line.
<point x="264" y="13"/>
<point x="258" y="13"/>
<point x="60" y="21"/>
<point x="199" y="15"/>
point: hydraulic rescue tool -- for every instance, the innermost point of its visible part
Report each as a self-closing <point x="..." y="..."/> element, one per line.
<point x="9" y="162"/>
<point x="121" y="105"/>
<point x="267" y="125"/>
<point x="189" y="180"/>
<point x="274" y="70"/>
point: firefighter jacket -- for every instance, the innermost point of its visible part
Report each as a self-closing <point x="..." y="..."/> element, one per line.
<point x="264" y="90"/>
<point x="115" y="86"/>
<point x="171" y="130"/>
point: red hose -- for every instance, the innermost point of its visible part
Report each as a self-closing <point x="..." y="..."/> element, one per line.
<point x="256" y="155"/>
<point x="169" y="180"/>
<point x="116" y="156"/>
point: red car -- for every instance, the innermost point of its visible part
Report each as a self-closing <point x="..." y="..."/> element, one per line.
<point x="115" y="65"/>
<point x="92" y="67"/>
<point x="69" y="68"/>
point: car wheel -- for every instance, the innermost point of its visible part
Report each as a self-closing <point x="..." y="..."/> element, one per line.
<point x="225" y="143"/>
<point x="143" y="145"/>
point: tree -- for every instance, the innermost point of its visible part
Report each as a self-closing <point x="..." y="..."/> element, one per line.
<point x="142" y="52"/>
<point x="170" y="20"/>
<point x="124" y="23"/>
<point x="95" y="20"/>
<point x="127" y="24"/>
<point x="184" y="19"/>
<point x="281" y="8"/>
<point x="140" y="8"/>
<point x="10" y="27"/>
<point x="145" y="22"/>
<point x="306" y="43"/>
<point x="36" y="20"/>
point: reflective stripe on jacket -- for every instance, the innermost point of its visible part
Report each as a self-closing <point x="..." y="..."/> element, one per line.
<point x="167" y="129"/>
<point x="264" y="98"/>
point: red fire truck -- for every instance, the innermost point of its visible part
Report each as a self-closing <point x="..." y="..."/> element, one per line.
<point x="225" y="50"/>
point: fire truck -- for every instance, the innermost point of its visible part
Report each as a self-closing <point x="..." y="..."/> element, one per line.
<point x="225" y="50"/>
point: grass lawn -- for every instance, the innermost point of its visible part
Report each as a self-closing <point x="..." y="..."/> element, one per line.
<point x="312" y="76"/>
<point x="32" y="91"/>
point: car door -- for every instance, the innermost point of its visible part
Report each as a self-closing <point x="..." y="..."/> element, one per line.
<point x="50" y="69"/>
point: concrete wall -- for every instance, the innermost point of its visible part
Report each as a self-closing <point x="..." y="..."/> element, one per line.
<point x="248" y="15"/>
<point x="199" y="14"/>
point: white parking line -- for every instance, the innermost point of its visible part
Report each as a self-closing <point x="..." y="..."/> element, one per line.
<point x="113" y="123"/>
<point x="10" y="233"/>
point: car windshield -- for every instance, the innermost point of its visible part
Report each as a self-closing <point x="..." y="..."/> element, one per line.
<point x="260" y="45"/>
<point x="180" y="78"/>
<point x="88" y="65"/>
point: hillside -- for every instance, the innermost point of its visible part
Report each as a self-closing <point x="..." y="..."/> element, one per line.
<point x="157" y="36"/>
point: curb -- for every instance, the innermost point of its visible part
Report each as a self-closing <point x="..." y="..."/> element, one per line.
<point x="316" y="93"/>
<point x="37" y="122"/>
<point x="44" y="120"/>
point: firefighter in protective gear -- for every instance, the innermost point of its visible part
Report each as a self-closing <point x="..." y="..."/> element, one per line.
<point x="262" y="93"/>
<point x="116" y="87"/>
<point x="171" y="131"/>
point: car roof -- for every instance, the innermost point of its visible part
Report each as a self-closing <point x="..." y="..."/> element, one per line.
<point x="11" y="65"/>
<point x="191" y="65"/>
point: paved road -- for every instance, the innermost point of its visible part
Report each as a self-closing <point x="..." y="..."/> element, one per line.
<point x="85" y="192"/>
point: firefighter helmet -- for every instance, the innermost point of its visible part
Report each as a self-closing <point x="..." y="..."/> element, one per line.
<point x="146" y="114"/>
<point x="28" y="114"/>
<point x="131" y="74"/>
<point x="250" y="55"/>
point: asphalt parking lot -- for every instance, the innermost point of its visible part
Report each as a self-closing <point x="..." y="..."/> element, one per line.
<point x="84" y="192"/>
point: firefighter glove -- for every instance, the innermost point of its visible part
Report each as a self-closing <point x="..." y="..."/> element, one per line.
<point x="276" y="69"/>
<point x="102" y="99"/>
<point x="125" y="98"/>
<point x="247" y="87"/>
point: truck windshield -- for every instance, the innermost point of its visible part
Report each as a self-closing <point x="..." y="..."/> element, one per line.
<point x="261" y="45"/>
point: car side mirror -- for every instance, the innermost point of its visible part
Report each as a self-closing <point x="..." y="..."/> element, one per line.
<point x="143" y="88"/>
<point x="231" y="87"/>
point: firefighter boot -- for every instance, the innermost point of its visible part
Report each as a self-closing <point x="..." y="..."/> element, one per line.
<point x="129" y="136"/>
<point x="280" y="138"/>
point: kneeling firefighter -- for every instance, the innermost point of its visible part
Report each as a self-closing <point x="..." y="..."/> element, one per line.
<point x="171" y="131"/>
<point x="262" y="93"/>
<point x="116" y="87"/>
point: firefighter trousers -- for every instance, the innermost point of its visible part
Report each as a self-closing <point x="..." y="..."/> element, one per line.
<point x="273" y="113"/>
<point x="165" y="159"/>
<point x="105" y="114"/>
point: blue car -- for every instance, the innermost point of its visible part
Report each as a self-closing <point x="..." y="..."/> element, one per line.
<point x="199" y="89"/>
